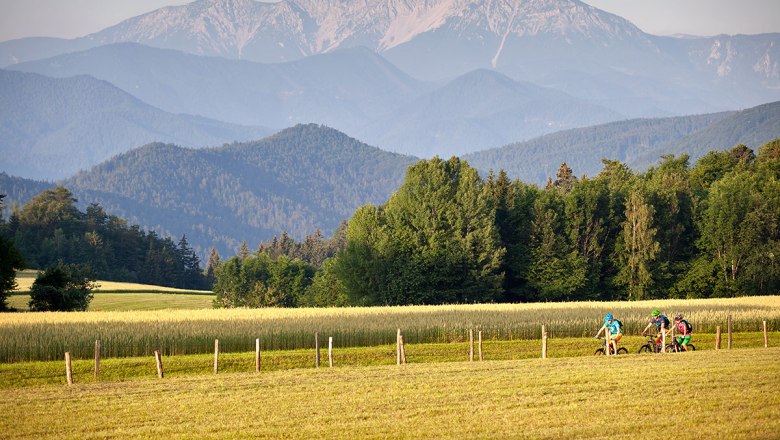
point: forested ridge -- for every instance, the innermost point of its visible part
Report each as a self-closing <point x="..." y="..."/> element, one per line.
<point x="300" y="179"/>
<point x="639" y="143"/>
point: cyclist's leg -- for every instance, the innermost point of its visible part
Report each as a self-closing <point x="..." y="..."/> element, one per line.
<point x="613" y="340"/>
<point x="684" y="342"/>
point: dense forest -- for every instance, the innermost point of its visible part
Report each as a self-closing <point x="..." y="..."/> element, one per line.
<point x="50" y="229"/>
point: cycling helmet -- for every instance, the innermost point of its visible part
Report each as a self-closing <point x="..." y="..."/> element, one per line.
<point x="608" y="317"/>
<point x="656" y="312"/>
<point x="678" y="317"/>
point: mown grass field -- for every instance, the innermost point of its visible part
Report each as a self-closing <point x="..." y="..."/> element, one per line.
<point x="706" y="394"/>
<point x="26" y="278"/>
<point x="116" y="296"/>
<point x="123" y="302"/>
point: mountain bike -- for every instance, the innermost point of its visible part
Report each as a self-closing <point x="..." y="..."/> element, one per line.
<point x="674" y="347"/>
<point x="651" y="346"/>
<point x="607" y="346"/>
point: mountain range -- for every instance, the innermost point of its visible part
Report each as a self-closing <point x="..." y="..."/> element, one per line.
<point x="565" y="43"/>
<point x="51" y="128"/>
<point x="353" y="90"/>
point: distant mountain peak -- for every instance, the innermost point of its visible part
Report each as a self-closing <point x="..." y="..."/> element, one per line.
<point x="296" y="28"/>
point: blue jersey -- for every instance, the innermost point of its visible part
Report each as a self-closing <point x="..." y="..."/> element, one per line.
<point x="613" y="327"/>
<point x="661" y="319"/>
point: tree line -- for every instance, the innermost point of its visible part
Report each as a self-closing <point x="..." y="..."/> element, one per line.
<point x="447" y="236"/>
<point x="50" y="229"/>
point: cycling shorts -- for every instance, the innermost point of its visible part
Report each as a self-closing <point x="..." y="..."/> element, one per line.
<point x="684" y="340"/>
<point x="616" y="337"/>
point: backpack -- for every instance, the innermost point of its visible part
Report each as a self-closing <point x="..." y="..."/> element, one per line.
<point x="688" y="327"/>
<point x="620" y="325"/>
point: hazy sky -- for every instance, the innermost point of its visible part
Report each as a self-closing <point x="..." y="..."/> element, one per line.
<point x="75" y="18"/>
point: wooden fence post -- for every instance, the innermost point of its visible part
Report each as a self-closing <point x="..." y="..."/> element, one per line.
<point x="330" y="351"/>
<point x="717" y="338"/>
<point x="544" y="343"/>
<point x="158" y="358"/>
<point x="663" y="338"/>
<point x="97" y="359"/>
<point x="471" y="345"/>
<point x="398" y="347"/>
<point x="68" y="369"/>
<point x="257" y="355"/>
<point x="480" y="345"/>
<point x="766" y="337"/>
<point x="216" y="356"/>
<point x="729" y="330"/>
<point x="403" y="350"/>
<point x="606" y="337"/>
<point x="317" y="349"/>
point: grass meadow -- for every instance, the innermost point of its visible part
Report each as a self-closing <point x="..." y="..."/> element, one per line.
<point x="116" y="296"/>
<point x="705" y="394"/>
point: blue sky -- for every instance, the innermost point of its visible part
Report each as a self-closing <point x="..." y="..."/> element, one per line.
<point x="75" y="18"/>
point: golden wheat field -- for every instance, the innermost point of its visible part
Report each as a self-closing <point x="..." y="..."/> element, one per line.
<point x="45" y="336"/>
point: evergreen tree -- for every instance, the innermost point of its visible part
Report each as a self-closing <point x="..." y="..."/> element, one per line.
<point x="637" y="247"/>
<point x="211" y="266"/>
<point x="243" y="251"/>
<point x="557" y="272"/>
<point x="10" y="261"/>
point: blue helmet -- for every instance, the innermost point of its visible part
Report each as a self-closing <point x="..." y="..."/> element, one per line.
<point x="608" y="317"/>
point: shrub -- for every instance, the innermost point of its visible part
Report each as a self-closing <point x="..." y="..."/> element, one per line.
<point x="62" y="288"/>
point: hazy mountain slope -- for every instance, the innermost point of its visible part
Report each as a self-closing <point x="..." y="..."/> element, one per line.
<point x="50" y="128"/>
<point x="342" y="89"/>
<point x="297" y="180"/>
<point x="480" y="109"/>
<point x="353" y="90"/>
<point x="584" y="148"/>
<point x="19" y="191"/>
<point x="753" y="127"/>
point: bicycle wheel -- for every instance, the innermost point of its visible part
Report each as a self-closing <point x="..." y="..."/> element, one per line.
<point x="671" y="348"/>
<point x="622" y="350"/>
<point x="599" y="352"/>
<point x="645" y="349"/>
<point x="691" y="347"/>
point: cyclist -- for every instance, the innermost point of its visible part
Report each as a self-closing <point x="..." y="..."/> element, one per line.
<point x="661" y="322"/>
<point x="684" y="329"/>
<point x="615" y="330"/>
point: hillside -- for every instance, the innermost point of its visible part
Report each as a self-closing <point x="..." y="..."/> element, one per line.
<point x="344" y="89"/>
<point x="480" y="109"/>
<point x="19" y="190"/>
<point x="51" y="128"/>
<point x="638" y="143"/>
<point x="752" y="127"/>
<point x="353" y="90"/>
<point x="298" y="180"/>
